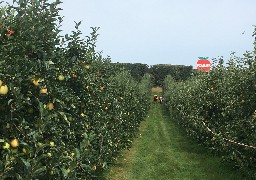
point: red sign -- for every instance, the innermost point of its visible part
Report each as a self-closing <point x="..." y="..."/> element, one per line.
<point x="203" y="64"/>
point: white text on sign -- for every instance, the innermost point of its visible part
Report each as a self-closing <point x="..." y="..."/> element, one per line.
<point x="203" y="65"/>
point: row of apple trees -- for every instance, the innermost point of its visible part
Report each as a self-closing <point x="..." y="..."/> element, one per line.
<point x="218" y="109"/>
<point x="65" y="111"/>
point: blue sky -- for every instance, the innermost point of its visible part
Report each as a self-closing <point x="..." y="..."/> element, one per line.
<point x="165" y="31"/>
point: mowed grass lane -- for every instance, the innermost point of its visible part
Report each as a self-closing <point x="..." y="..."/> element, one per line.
<point x="163" y="152"/>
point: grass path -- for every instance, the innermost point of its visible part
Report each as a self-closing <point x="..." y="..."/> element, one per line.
<point x="163" y="152"/>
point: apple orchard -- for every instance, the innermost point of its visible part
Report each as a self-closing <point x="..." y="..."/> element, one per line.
<point x="67" y="112"/>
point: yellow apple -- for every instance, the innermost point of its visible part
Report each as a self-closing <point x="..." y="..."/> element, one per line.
<point x="43" y="91"/>
<point x="87" y="67"/>
<point x="3" y="89"/>
<point x="61" y="78"/>
<point x="50" y="106"/>
<point x="15" y="143"/>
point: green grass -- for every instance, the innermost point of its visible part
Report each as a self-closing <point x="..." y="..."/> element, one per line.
<point x="163" y="152"/>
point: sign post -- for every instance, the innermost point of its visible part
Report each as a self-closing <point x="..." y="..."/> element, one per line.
<point x="203" y="64"/>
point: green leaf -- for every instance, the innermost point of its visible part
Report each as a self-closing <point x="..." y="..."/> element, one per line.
<point x="9" y="102"/>
<point x="41" y="108"/>
<point x="65" y="118"/>
<point x="77" y="153"/>
<point x="73" y="165"/>
<point x="104" y="164"/>
<point x="26" y="163"/>
<point x="40" y="170"/>
<point x="84" y="143"/>
<point x="1" y="165"/>
<point x="85" y="166"/>
<point x="65" y="172"/>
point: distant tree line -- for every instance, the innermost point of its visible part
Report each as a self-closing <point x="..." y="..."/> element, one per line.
<point x="158" y="72"/>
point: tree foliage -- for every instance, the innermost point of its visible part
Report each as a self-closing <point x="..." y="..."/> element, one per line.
<point x="218" y="109"/>
<point x="65" y="112"/>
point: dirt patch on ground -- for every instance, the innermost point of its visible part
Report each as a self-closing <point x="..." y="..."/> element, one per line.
<point x="156" y="89"/>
